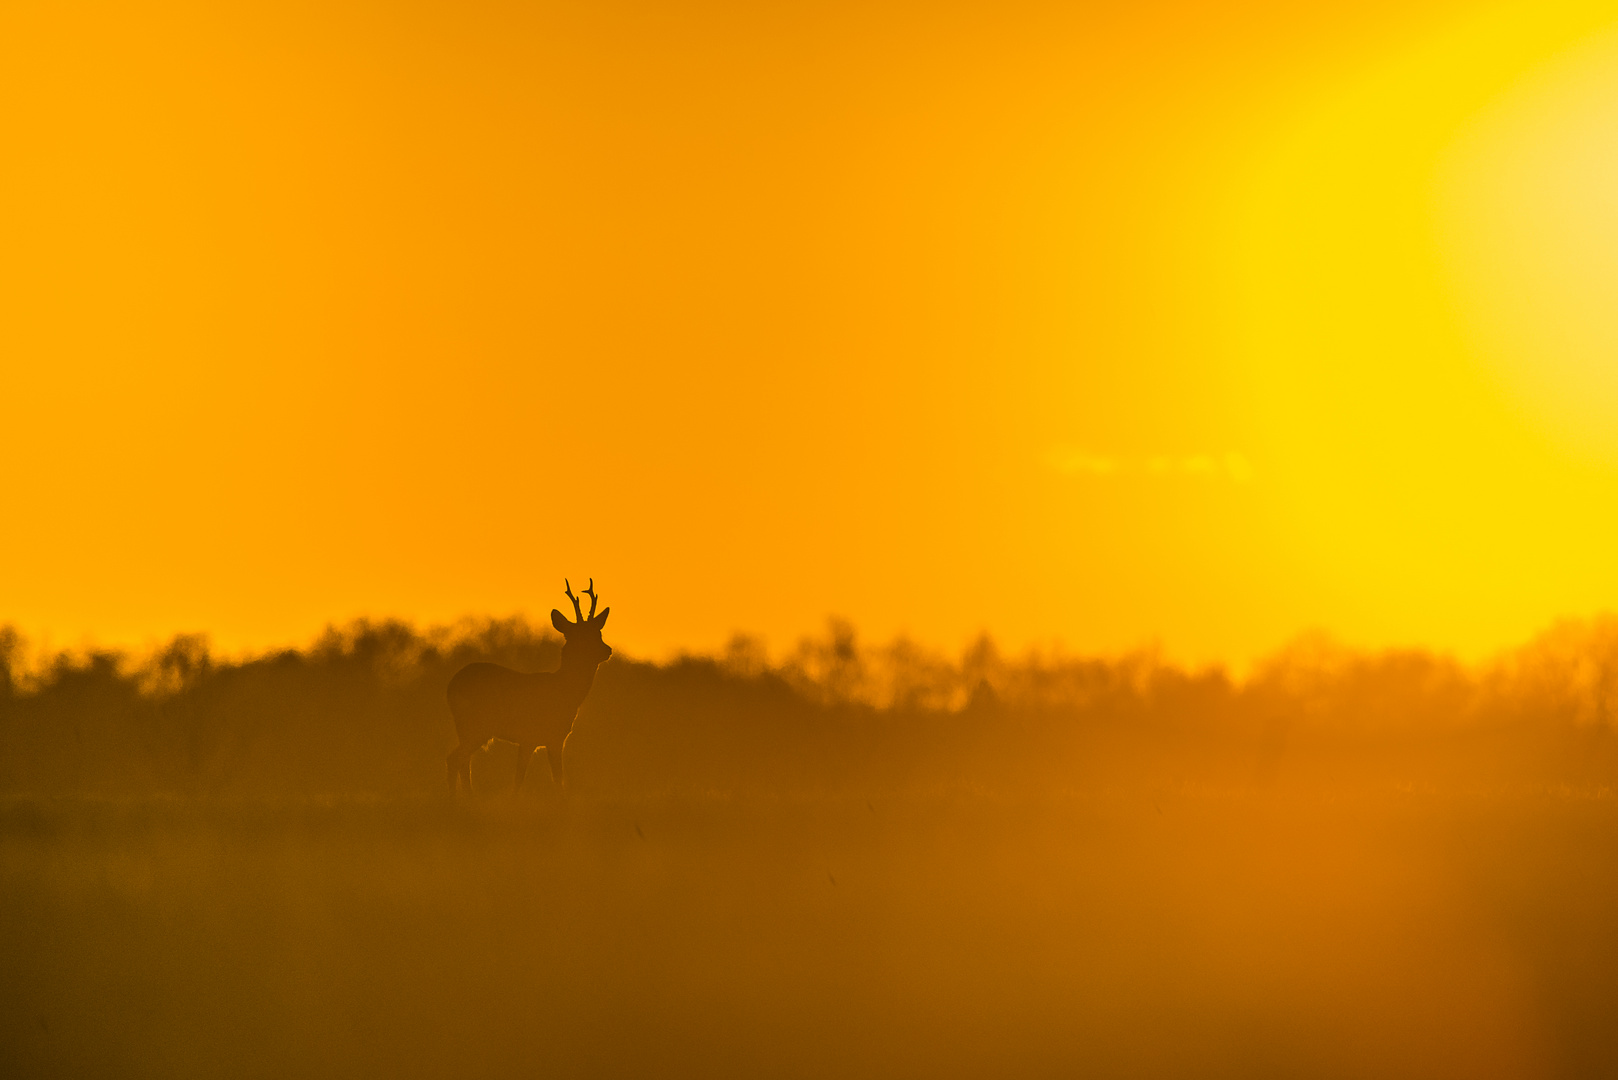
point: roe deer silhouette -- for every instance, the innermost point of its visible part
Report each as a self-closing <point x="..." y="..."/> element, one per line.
<point x="491" y="702"/>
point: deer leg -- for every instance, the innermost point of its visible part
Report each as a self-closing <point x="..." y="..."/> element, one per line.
<point x="554" y="753"/>
<point x="457" y="767"/>
<point x="524" y="755"/>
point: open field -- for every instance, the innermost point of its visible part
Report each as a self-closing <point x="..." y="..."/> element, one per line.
<point x="860" y="863"/>
<point x="956" y="932"/>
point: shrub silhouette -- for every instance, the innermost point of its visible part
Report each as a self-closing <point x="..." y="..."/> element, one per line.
<point x="362" y="711"/>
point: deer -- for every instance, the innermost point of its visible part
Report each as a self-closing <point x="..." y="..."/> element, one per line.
<point x="536" y="709"/>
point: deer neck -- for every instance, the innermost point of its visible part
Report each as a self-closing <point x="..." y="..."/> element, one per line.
<point x="576" y="676"/>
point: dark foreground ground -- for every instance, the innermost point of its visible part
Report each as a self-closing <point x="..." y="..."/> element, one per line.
<point x="1169" y="932"/>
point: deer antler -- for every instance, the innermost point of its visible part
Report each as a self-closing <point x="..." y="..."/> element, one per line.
<point x="567" y="588"/>
<point x="591" y="593"/>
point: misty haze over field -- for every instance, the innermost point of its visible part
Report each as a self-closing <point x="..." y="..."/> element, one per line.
<point x="862" y="861"/>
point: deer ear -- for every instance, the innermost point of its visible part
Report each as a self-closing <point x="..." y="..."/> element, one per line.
<point x="559" y="621"/>
<point x="601" y="620"/>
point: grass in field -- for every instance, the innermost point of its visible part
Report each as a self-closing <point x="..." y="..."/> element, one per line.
<point x="953" y="932"/>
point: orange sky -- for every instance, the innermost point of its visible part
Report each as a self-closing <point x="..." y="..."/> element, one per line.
<point x="1196" y="323"/>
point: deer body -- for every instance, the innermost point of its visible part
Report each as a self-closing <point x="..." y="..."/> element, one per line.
<point x="530" y="709"/>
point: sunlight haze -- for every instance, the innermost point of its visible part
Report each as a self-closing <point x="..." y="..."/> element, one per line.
<point x="1082" y="325"/>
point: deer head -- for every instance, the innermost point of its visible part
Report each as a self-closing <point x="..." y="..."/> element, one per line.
<point x="581" y="640"/>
